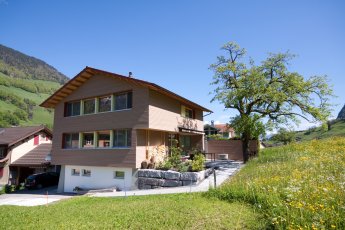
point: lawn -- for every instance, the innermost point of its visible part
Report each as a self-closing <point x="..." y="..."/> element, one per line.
<point x="299" y="186"/>
<point x="182" y="211"/>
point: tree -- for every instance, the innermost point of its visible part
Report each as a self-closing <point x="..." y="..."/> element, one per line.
<point x="268" y="90"/>
<point x="284" y="135"/>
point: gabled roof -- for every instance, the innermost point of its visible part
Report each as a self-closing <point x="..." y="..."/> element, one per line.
<point x="224" y="128"/>
<point x="37" y="156"/>
<point x="11" y="136"/>
<point x="89" y="72"/>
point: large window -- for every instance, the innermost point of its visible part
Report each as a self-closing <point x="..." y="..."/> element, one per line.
<point x="104" y="139"/>
<point x="104" y="104"/>
<point x="72" y="109"/>
<point x="71" y="140"/>
<point x="89" y="106"/>
<point x="88" y="141"/>
<point x="123" y="101"/>
<point x="122" y="138"/>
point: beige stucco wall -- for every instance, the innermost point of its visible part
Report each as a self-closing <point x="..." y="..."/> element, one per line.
<point x="165" y="114"/>
<point x="26" y="147"/>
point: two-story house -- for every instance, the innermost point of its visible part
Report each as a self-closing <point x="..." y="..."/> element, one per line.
<point x="106" y="125"/>
<point x="24" y="151"/>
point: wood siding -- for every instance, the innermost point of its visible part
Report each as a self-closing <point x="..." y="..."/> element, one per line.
<point x="135" y="118"/>
<point x="165" y="114"/>
<point x="231" y="147"/>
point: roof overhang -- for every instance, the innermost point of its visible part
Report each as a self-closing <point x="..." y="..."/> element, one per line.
<point x="88" y="72"/>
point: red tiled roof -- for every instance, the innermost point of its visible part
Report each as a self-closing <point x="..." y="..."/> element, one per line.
<point x="224" y="128"/>
<point x="34" y="157"/>
<point x="10" y="136"/>
<point x="88" y="72"/>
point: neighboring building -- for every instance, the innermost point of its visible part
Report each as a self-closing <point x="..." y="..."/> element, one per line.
<point x="106" y="125"/>
<point x="222" y="129"/>
<point x="24" y="151"/>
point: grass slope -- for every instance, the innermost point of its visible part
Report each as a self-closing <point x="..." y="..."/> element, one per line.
<point x="182" y="211"/>
<point x="298" y="186"/>
<point x="338" y="129"/>
<point x="40" y="115"/>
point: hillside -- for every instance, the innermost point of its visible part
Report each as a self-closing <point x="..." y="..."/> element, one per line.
<point x="24" y="83"/>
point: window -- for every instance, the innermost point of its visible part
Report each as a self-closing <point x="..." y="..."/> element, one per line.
<point x="71" y="140"/>
<point x="2" y="152"/>
<point x="122" y="138"/>
<point x="86" y="172"/>
<point x="185" y="142"/>
<point x="75" y="172"/>
<point x="88" y="141"/>
<point x="119" y="175"/>
<point x="104" y="139"/>
<point x="187" y="112"/>
<point x="89" y="106"/>
<point x="123" y="101"/>
<point x="72" y="109"/>
<point x="104" y="104"/>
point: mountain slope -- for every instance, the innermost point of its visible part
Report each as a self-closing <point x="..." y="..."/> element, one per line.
<point x="16" y="64"/>
<point x="24" y="83"/>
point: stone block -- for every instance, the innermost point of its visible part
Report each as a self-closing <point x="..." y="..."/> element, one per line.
<point x="171" y="175"/>
<point x="188" y="182"/>
<point x="171" y="183"/>
<point x="150" y="181"/>
<point x="189" y="176"/>
<point x="149" y="173"/>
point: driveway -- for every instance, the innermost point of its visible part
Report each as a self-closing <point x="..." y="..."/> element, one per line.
<point x="33" y="197"/>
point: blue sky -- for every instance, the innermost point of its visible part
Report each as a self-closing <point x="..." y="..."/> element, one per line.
<point x="172" y="43"/>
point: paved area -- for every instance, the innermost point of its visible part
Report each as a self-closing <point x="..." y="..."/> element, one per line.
<point x="33" y="197"/>
<point x="225" y="169"/>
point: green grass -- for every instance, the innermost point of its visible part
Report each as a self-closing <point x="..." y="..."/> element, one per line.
<point x="40" y="115"/>
<point x="182" y="211"/>
<point x="338" y="129"/>
<point x="298" y="186"/>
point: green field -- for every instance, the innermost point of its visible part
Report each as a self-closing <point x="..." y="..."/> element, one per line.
<point x="298" y="186"/>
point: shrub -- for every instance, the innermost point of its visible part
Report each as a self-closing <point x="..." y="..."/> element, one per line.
<point x="198" y="162"/>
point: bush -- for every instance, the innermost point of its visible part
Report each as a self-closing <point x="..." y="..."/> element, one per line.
<point x="198" y="163"/>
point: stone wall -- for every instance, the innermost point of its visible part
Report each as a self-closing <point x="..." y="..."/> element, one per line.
<point x="150" y="178"/>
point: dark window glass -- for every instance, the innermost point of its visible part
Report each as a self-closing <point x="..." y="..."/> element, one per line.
<point x="71" y="141"/>
<point x="75" y="172"/>
<point x="189" y="113"/>
<point x="123" y="101"/>
<point x="89" y="106"/>
<point x="104" y="139"/>
<point x="122" y="138"/>
<point x="119" y="175"/>
<point x="88" y="140"/>
<point x="86" y="172"/>
<point x="72" y="109"/>
<point x="104" y="104"/>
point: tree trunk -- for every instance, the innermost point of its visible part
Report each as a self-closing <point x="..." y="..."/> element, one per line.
<point x="245" y="147"/>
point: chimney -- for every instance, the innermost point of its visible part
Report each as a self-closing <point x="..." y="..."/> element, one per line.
<point x="130" y="74"/>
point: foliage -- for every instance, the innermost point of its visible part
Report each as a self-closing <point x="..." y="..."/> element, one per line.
<point x="198" y="163"/>
<point x="268" y="90"/>
<point x="216" y="137"/>
<point x="178" y="211"/>
<point x="298" y="186"/>
<point x="8" y="119"/>
<point x="18" y="65"/>
<point x="248" y="125"/>
<point x="284" y="135"/>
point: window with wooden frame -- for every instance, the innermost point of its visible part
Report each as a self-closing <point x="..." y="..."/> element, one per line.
<point x="89" y="106"/>
<point x="72" y="109"/>
<point x="123" y="101"/>
<point x="104" y="104"/>
<point x="187" y="112"/>
<point x="70" y="140"/>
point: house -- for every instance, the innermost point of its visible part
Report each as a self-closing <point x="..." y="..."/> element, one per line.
<point x="24" y="151"/>
<point x="224" y="130"/>
<point x="106" y="125"/>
